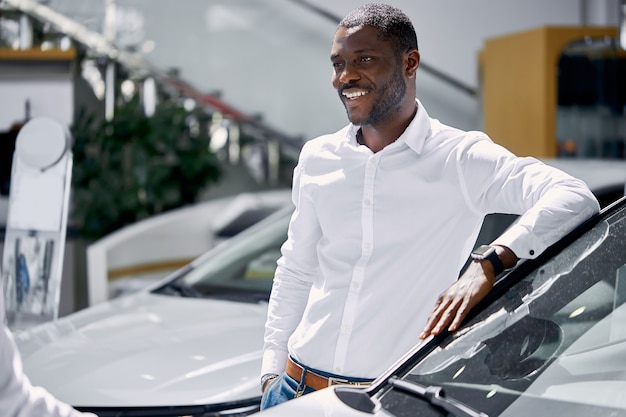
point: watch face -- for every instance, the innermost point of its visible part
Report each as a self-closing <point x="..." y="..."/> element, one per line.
<point x="482" y="251"/>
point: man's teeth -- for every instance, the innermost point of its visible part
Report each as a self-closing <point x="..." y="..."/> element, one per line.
<point x="354" y="94"/>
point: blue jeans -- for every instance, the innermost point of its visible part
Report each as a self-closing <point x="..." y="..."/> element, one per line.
<point x="282" y="389"/>
<point x="285" y="388"/>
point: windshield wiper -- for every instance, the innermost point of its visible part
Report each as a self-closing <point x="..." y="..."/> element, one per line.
<point x="435" y="396"/>
<point x="182" y="290"/>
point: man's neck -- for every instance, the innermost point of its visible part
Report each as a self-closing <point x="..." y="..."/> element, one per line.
<point x="378" y="136"/>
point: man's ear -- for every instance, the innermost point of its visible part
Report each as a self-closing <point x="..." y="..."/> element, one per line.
<point x="411" y="62"/>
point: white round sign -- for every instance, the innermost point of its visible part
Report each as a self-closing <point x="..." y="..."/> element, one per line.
<point x="42" y="142"/>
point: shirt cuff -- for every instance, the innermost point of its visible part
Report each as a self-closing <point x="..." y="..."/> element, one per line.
<point x="274" y="362"/>
<point x="524" y="244"/>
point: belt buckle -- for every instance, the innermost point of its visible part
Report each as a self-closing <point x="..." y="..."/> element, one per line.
<point x="337" y="381"/>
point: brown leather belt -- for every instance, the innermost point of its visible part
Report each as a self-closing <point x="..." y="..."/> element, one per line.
<point x="317" y="381"/>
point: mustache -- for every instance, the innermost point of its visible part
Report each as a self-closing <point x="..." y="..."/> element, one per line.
<point x="343" y="87"/>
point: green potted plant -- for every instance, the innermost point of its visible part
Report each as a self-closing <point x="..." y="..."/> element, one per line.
<point x="135" y="166"/>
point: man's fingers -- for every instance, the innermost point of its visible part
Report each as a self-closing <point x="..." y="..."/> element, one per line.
<point x="446" y="318"/>
<point x="454" y="304"/>
<point x="460" y="314"/>
<point x="434" y="317"/>
<point x="441" y="318"/>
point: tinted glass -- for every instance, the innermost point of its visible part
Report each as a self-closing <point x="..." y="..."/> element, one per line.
<point x="554" y="344"/>
<point x="241" y="268"/>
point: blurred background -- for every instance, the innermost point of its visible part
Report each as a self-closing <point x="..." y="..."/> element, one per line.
<point x="174" y="104"/>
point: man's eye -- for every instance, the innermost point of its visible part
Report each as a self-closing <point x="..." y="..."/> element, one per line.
<point x="366" y="58"/>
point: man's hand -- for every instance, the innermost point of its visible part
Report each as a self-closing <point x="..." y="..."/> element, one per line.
<point x="453" y="305"/>
<point x="266" y="380"/>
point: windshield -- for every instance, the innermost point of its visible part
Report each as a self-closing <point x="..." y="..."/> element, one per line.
<point x="553" y="344"/>
<point x="241" y="269"/>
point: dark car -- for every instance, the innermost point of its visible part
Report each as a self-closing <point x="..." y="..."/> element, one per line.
<point x="549" y="340"/>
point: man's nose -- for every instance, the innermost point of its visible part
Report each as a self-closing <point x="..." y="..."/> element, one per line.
<point x="349" y="74"/>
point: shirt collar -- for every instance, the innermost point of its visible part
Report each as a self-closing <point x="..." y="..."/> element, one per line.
<point x="418" y="130"/>
<point x="415" y="134"/>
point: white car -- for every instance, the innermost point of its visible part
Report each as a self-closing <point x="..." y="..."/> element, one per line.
<point x="188" y="345"/>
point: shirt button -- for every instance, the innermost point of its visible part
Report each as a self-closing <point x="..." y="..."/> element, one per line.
<point x="356" y="285"/>
<point x="367" y="245"/>
<point x="367" y="202"/>
<point x="337" y="370"/>
<point x="372" y="160"/>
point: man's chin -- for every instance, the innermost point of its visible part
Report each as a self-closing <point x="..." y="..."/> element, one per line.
<point x="356" y="119"/>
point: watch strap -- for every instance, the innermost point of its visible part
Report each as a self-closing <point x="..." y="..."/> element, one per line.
<point x="492" y="256"/>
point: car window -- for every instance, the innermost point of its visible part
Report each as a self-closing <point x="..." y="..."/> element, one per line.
<point x="553" y="344"/>
<point x="242" y="268"/>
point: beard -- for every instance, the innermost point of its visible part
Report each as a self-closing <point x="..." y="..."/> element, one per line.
<point x="392" y="95"/>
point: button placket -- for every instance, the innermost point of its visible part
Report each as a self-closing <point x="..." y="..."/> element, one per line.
<point x="358" y="275"/>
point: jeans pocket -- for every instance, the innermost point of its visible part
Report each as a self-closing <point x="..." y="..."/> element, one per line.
<point x="278" y="391"/>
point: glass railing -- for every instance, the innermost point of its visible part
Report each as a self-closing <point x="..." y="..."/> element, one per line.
<point x="262" y="63"/>
<point x="267" y="58"/>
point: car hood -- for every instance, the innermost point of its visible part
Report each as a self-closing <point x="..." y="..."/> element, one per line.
<point x="149" y="350"/>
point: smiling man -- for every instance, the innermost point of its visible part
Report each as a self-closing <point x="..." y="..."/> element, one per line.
<point x="386" y="212"/>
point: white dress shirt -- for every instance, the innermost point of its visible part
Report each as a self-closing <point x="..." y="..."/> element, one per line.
<point x="18" y="398"/>
<point x="376" y="237"/>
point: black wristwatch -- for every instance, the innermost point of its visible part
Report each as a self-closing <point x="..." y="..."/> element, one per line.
<point x="486" y="252"/>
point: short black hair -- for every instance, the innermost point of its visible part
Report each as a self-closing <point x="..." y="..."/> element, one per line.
<point x="392" y="23"/>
